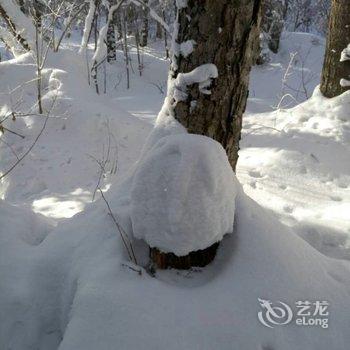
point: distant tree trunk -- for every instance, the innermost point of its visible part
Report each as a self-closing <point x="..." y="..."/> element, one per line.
<point x="272" y="24"/>
<point x="165" y="37"/>
<point x="13" y="30"/>
<point x="285" y="9"/>
<point x="119" y="27"/>
<point x="159" y="31"/>
<point x="144" y="28"/>
<point x="111" y="42"/>
<point x="225" y="33"/>
<point x="337" y="40"/>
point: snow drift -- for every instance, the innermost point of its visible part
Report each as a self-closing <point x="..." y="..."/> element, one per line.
<point x="183" y="194"/>
<point x="72" y="287"/>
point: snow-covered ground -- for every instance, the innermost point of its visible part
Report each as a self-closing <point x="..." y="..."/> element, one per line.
<point x="66" y="282"/>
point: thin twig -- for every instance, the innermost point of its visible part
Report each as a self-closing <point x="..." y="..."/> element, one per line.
<point x="19" y="160"/>
<point x="10" y="147"/>
<point x="12" y="132"/>
<point x="121" y="231"/>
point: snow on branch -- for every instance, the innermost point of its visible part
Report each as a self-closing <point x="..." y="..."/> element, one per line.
<point x="10" y="41"/>
<point x="345" y="54"/>
<point x="201" y="75"/>
<point x="101" y="49"/>
<point x="88" y="24"/>
<point x="20" y="25"/>
<point x="344" y="83"/>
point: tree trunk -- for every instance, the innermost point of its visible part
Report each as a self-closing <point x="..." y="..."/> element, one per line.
<point x="337" y="40"/>
<point x="159" y="31"/>
<point x="199" y="258"/>
<point x="111" y="42"/>
<point x="272" y="24"/>
<point x="226" y="34"/>
<point x="144" y="29"/>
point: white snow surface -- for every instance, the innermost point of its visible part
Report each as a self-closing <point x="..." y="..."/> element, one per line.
<point x="183" y="194"/>
<point x="66" y="282"/>
<point x="344" y="83"/>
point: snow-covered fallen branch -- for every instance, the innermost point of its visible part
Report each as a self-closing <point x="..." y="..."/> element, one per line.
<point x="18" y="24"/>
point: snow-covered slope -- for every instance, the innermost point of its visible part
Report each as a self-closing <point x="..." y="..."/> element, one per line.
<point x="83" y="128"/>
<point x="72" y="287"/>
<point x="76" y="291"/>
<point x="296" y="162"/>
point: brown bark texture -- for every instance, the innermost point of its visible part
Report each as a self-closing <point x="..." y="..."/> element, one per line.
<point x="199" y="258"/>
<point x="226" y="34"/>
<point x="337" y="40"/>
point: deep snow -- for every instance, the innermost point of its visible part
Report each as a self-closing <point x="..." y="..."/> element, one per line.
<point x="182" y="196"/>
<point x="67" y="283"/>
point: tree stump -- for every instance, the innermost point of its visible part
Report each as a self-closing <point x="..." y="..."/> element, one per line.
<point x="198" y="258"/>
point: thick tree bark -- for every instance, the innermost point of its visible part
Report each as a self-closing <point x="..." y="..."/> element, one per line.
<point x="226" y="34"/>
<point x="337" y="40"/>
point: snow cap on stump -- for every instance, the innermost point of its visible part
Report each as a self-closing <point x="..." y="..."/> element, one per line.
<point x="183" y="194"/>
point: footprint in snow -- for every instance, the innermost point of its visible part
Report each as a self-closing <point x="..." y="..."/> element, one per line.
<point x="266" y="347"/>
<point x="288" y="209"/>
<point x="256" y="174"/>
<point x="336" y="198"/>
<point x="336" y="276"/>
<point x="342" y="185"/>
<point x="252" y="184"/>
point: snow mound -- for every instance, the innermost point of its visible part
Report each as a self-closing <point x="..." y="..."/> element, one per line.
<point x="296" y="163"/>
<point x="183" y="194"/>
